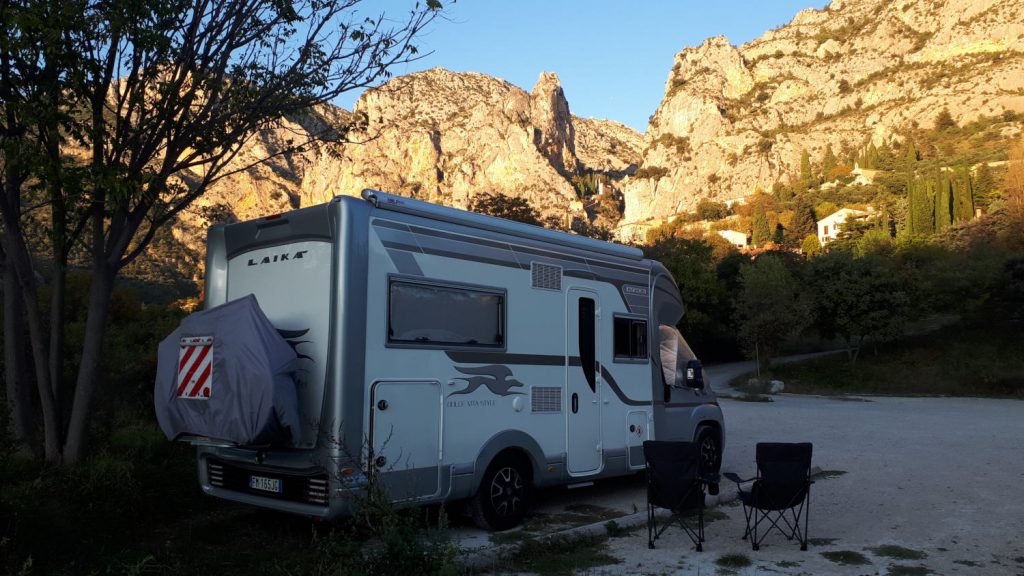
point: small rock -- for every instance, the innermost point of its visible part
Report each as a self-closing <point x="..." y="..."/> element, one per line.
<point x="776" y="386"/>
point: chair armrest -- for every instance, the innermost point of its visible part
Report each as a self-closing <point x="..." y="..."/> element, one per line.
<point x="735" y="478"/>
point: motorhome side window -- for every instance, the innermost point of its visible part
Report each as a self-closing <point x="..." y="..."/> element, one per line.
<point x="439" y="315"/>
<point x="630" y="338"/>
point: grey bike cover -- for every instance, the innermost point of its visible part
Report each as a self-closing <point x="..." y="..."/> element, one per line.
<point x="226" y="374"/>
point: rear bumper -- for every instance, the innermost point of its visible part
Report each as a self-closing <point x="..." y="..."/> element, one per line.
<point x="306" y="489"/>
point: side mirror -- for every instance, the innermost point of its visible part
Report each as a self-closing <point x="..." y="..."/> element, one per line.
<point x="694" y="375"/>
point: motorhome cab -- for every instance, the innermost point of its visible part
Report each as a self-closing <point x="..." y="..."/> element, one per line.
<point x="451" y="355"/>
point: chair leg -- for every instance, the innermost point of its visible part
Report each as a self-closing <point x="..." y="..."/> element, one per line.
<point x="807" y="513"/>
<point x="650" y="527"/>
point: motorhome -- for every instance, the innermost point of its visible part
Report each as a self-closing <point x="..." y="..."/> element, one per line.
<point x="448" y="354"/>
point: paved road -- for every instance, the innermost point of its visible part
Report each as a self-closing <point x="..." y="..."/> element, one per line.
<point x="939" y="476"/>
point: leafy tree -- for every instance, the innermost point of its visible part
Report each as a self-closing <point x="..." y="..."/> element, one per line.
<point x="857" y="299"/>
<point x="770" y="307"/>
<point x="694" y="264"/>
<point x="157" y="97"/>
<point x="811" y="246"/>
<point x="503" y="206"/>
<point x="711" y="210"/>
<point x="1014" y="186"/>
<point x="762" y="230"/>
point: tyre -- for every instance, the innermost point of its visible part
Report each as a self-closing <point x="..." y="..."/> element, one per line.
<point x="504" y="494"/>
<point x="710" y="444"/>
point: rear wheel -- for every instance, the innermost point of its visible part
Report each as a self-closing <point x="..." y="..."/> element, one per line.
<point x="504" y="493"/>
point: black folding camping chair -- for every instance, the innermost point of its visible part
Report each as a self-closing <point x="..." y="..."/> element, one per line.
<point x="676" y="483"/>
<point x="780" y="495"/>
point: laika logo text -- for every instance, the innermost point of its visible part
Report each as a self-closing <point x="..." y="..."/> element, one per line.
<point x="494" y="377"/>
<point x="277" y="258"/>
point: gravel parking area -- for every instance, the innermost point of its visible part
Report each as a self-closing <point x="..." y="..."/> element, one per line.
<point x="910" y="486"/>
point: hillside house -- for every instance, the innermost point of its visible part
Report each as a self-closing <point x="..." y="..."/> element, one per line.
<point x="830" y="226"/>
<point x="736" y="238"/>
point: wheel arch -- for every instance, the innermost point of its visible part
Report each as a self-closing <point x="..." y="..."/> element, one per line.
<point x="515" y="442"/>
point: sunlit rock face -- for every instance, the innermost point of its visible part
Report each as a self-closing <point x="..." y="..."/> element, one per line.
<point x="736" y="118"/>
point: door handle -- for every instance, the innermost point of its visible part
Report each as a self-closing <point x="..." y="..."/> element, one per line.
<point x="575" y="403"/>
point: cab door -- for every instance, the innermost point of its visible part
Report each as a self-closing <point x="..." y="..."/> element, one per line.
<point x="583" y="382"/>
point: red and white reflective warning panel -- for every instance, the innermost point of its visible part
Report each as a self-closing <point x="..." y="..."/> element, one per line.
<point x="195" y="367"/>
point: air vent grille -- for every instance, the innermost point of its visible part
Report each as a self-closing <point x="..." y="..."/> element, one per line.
<point x="546" y="276"/>
<point x="546" y="399"/>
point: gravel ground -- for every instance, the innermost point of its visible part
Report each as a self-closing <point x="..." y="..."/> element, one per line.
<point x="936" y="480"/>
<point x="938" y="477"/>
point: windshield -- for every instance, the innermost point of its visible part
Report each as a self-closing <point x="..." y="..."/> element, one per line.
<point x="675" y="353"/>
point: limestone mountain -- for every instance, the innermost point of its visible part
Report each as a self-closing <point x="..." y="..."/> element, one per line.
<point x="736" y="118"/>
<point x="435" y="135"/>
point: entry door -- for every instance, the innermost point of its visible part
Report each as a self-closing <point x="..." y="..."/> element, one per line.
<point x="583" y="382"/>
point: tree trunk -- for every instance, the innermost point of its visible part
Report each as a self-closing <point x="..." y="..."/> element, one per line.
<point x="19" y="258"/>
<point x="19" y="402"/>
<point x="56" y="347"/>
<point x="88" y="369"/>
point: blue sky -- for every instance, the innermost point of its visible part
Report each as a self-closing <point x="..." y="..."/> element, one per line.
<point x="612" y="56"/>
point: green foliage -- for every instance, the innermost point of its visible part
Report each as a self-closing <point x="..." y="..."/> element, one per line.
<point x="810" y="246"/>
<point x="803" y="223"/>
<point x="985" y="182"/>
<point x="857" y="299"/>
<point x="944" y="121"/>
<point x="651" y="172"/>
<point x="504" y="206"/>
<point x="771" y="307"/>
<point x="680" y="144"/>
<point x="562" y="555"/>
<point x="710" y="210"/>
<point x="704" y="276"/>
<point x="762" y="232"/>
<point x="828" y="163"/>
<point x="805" y="169"/>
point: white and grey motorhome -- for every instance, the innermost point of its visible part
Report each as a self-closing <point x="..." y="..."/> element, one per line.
<point x="453" y="356"/>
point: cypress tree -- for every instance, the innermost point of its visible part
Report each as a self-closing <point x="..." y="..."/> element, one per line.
<point x="803" y="223"/>
<point x="805" y="170"/>
<point x="963" y="196"/>
<point x="985" y="182"/>
<point x="762" y="231"/>
<point x="829" y="162"/>
<point x="911" y="158"/>
<point x="921" y="216"/>
<point x="943" y="202"/>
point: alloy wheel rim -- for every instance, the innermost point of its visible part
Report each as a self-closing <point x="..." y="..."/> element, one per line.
<point x="708" y="454"/>
<point x="506" y="491"/>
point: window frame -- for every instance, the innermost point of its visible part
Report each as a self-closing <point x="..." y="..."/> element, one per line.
<point x="633" y="318"/>
<point x="389" y="342"/>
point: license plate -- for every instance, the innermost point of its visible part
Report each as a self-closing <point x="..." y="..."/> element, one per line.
<point x="265" y="484"/>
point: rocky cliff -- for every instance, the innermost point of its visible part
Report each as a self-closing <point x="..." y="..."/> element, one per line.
<point x="736" y="118"/>
<point x="436" y="135"/>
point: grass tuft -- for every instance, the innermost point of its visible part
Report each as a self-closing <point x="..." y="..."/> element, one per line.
<point x="562" y="555"/>
<point x="846" y="558"/>
<point x="733" y="561"/>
